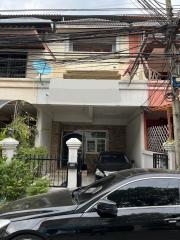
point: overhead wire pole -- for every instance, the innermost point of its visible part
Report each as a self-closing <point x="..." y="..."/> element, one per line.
<point x="173" y="74"/>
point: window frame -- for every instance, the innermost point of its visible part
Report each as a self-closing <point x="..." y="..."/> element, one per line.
<point x="95" y="139"/>
<point x="112" y="43"/>
<point x="138" y="180"/>
<point x="10" y="55"/>
<point x="141" y="207"/>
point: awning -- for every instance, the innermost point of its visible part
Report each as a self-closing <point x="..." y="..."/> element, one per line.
<point x="4" y="102"/>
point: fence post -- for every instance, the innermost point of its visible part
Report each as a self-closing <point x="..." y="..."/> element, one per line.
<point x="9" y="146"/>
<point x="170" y="148"/>
<point x="73" y="146"/>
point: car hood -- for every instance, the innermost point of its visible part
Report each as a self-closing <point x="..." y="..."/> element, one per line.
<point x="60" y="201"/>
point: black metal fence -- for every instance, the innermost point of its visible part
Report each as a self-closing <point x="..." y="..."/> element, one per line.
<point x="160" y="160"/>
<point x="48" y="166"/>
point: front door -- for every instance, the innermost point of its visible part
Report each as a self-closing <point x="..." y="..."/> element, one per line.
<point x="145" y="208"/>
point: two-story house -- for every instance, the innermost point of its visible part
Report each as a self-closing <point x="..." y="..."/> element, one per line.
<point x="87" y="91"/>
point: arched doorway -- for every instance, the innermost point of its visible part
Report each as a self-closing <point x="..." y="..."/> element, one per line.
<point x="65" y="137"/>
<point x="10" y="110"/>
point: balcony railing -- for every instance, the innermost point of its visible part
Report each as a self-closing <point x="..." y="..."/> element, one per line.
<point x="150" y="73"/>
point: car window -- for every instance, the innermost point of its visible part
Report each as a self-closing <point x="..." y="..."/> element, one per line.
<point x="147" y="192"/>
<point x="110" y="158"/>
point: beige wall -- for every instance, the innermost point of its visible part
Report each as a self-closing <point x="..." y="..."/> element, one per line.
<point x="26" y="88"/>
<point x="18" y="89"/>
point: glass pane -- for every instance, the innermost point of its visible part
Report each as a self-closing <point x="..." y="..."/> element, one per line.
<point x="101" y="145"/>
<point x="13" y="64"/>
<point x="113" y="158"/>
<point x="96" y="134"/>
<point x="150" y="192"/>
<point x="93" y="45"/>
<point x="91" y="146"/>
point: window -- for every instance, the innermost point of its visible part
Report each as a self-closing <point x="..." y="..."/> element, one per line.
<point x="91" y="145"/>
<point x="149" y="192"/>
<point x="13" y="65"/>
<point x="113" y="158"/>
<point x="95" y="142"/>
<point x="94" y="45"/>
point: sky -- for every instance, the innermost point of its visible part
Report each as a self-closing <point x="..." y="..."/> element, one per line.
<point x="15" y="4"/>
<point x="59" y="4"/>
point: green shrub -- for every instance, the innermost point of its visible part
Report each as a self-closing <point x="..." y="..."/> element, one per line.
<point x="33" y="157"/>
<point x="32" y="151"/>
<point x="15" y="177"/>
<point x="17" y="181"/>
<point x="2" y="134"/>
<point x="21" y="130"/>
<point x="40" y="185"/>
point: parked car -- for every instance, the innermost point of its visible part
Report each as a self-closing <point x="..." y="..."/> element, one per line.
<point x="110" y="162"/>
<point x="133" y="204"/>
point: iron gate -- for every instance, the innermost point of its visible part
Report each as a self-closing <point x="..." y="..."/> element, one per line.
<point x="50" y="167"/>
<point x="160" y="160"/>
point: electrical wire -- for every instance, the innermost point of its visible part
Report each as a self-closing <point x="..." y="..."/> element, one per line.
<point x="95" y="58"/>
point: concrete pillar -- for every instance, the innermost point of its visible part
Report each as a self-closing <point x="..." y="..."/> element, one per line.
<point x="135" y="130"/>
<point x="170" y="148"/>
<point x="73" y="146"/>
<point x="44" y="127"/>
<point x="9" y="146"/>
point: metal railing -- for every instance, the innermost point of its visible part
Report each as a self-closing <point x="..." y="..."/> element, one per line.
<point x="160" y="160"/>
<point x="47" y="166"/>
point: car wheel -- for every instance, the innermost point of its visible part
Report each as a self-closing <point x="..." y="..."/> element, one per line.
<point x="27" y="237"/>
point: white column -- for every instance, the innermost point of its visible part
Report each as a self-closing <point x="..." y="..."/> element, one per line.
<point x="44" y="127"/>
<point x="9" y="146"/>
<point x="73" y="146"/>
<point x="117" y="47"/>
<point x="170" y="148"/>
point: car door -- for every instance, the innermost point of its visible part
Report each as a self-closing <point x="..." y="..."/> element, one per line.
<point x="144" y="209"/>
<point x="61" y="227"/>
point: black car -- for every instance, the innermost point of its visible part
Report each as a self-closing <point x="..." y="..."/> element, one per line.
<point x="133" y="204"/>
<point x="110" y="162"/>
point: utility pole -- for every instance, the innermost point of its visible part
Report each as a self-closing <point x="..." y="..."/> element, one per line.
<point x="173" y="74"/>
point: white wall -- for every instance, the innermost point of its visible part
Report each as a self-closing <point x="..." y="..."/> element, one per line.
<point x="147" y="159"/>
<point x="96" y="92"/>
<point x="44" y="127"/>
<point x="135" y="139"/>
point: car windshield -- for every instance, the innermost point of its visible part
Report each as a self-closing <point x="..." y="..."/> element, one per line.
<point x="86" y="193"/>
<point x="113" y="158"/>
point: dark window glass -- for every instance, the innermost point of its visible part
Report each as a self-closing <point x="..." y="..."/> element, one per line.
<point x="85" y="47"/>
<point x="113" y="158"/>
<point x="150" y="192"/>
<point x="94" y="45"/>
<point x="13" y="65"/>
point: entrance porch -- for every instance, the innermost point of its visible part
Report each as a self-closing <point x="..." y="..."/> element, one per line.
<point x="99" y="128"/>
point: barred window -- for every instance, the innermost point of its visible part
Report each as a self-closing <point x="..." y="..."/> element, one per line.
<point x="13" y="65"/>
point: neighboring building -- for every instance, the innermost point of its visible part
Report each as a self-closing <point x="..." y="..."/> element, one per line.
<point x="88" y="93"/>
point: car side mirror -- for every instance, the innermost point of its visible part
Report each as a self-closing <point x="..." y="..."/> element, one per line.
<point x="107" y="209"/>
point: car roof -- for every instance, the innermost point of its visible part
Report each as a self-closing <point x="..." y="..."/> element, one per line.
<point x="144" y="172"/>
